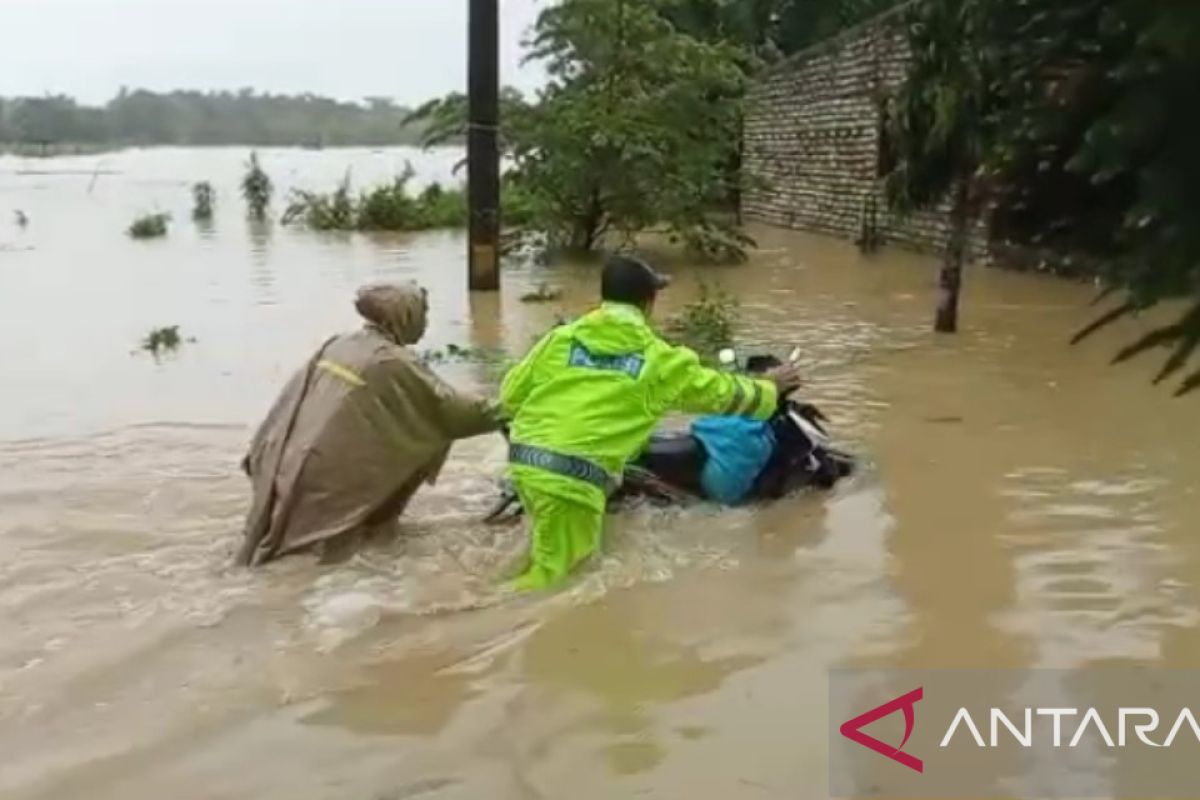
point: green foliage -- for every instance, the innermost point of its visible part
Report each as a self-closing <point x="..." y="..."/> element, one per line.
<point x="257" y="188"/>
<point x="631" y="132"/>
<point x="439" y="207"/>
<point x="206" y="118"/>
<point x="708" y="324"/>
<point x="802" y="23"/>
<point x="204" y="197"/>
<point x="940" y="121"/>
<point x="150" y="226"/>
<point x="1139" y="155"/>
<point x="941" y="126"/>
<point x="519" y="205"/>
<point x="1079" y="120"/>
<point x="770" y="29"/>
<point x="390" y="207"/>
<point x="162" y="340"/>
<point x="335" y="211"/>
<point x="634" y="127"/>
<point x="443" y="120"/>
<point x="712" y="239"/>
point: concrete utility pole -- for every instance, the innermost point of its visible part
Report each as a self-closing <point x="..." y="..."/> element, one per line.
<point x="483" y="154"/>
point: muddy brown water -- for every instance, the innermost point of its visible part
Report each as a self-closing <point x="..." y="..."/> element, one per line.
<point x="1024" y="504"/>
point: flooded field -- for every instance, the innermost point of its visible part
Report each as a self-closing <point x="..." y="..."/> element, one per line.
<point x="1024" y="505"/>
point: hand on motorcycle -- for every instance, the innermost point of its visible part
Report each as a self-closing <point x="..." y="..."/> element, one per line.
<point x="786" y="378"/>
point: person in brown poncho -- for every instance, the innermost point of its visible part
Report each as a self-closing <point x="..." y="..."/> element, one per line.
<point x="354" y="434"/>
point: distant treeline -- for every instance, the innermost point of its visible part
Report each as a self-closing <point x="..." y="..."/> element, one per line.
<point x="204" y="118"/>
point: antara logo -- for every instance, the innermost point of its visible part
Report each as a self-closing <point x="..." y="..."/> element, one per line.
<point x="852" y="729"/>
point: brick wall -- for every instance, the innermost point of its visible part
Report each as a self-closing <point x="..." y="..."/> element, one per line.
<point x="812" y="140"/>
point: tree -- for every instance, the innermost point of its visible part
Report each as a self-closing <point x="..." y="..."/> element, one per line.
<point x="443" y="120"/>
<point x="770" y="29"/>
<point x="752" y="25"/>
<point x="634" y="126"/>
<point x="1075" y="120"/>
<point x="45" y="119"/>
<point x="940" y="126"/>
<point x="1142" y="144"/>
<point x="206" y="118"/>
<point x="803" y="23"/>
<point x="256" y="189"/>
<point x="630" y="132"/>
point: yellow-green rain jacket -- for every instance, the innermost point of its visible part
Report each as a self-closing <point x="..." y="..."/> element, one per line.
<point x="595" y="389"/>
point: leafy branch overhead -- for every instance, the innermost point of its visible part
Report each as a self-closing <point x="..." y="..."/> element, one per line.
<point x="1076" y="122"/>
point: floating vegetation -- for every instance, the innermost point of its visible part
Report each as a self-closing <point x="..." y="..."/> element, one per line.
<point x="151" y="226"/>
<point x="204" y="198"/>
<point x="706" y="325"/>
<point x="161" y="341"/>
<point x="543" y="294"/>
<point x="256" y="188"/>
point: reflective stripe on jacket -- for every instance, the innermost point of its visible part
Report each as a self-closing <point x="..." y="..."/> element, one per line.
<point x="596" y="388"/>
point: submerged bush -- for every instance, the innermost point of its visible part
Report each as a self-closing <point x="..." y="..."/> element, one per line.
<point x="708" y="324"/>
<point x="389" y="208"/>
<point x="257" y="188"/>
<point x="439" y="207"/>
<point x="323" y="212"/>
<point x="151" y="226"/>
<point x="714" y="240"/>
<point x="204" y="197"/>
<point x="384" y="208"/>
<point x="162" y="340"/>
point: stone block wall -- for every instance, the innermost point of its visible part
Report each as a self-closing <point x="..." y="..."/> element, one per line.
<point x="813" y="135"/>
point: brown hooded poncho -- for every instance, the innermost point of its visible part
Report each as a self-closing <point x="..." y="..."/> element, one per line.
<point x="354" y="433"/>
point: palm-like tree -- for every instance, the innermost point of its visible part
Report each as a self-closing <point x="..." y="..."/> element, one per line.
<point x="939" y="127"/>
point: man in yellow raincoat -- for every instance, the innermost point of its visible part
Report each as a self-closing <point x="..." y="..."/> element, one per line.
<point x="584" y="402"/>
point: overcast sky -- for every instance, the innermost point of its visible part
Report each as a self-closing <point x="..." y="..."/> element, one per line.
<point x="407" y="49"/>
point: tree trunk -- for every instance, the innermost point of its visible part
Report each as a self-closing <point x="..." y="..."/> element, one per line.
<point x="735" y="172"/>
<point x="950" y="279"/>
<point x="587" y="226"/>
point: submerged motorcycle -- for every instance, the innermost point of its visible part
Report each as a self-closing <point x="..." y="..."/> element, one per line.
<point x="670" y="469"/>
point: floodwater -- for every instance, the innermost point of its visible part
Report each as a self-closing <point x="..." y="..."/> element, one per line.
<point x="1024" y="504"/>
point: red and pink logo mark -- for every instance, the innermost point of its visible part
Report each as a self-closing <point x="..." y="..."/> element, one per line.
<point x="852" y="729"/>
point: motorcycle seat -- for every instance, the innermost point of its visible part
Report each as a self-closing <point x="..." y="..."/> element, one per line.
<point x="677" y="458"/>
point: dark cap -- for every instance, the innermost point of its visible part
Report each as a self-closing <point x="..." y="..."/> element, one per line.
<point x="629" y="279"/>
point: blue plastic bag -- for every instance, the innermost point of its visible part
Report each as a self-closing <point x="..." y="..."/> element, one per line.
<point x="738" y="450"/>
